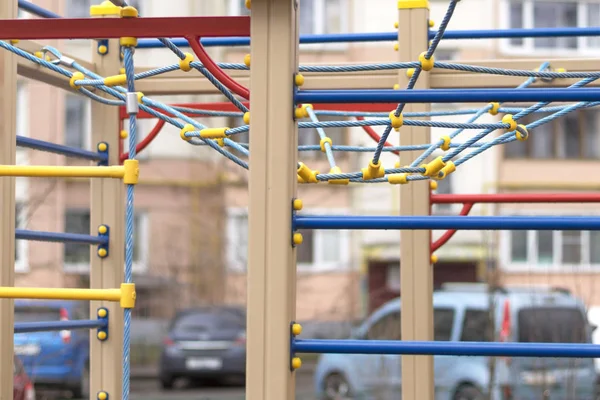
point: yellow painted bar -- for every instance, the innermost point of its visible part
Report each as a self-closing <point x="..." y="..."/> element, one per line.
<point x="125" y="295"/>
<point x="116" y="171"/>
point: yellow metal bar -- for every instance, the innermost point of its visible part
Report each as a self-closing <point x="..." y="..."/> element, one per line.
<point x="117" y="171"/>
<point x="125" y="295"/>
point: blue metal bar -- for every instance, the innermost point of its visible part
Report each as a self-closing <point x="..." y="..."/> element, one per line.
<point x="558" y="223"/>
<point x="389" y="37"/>
<point x="447" y="95"/>
<point x="27" y="327"/>
<point x="571" y="350"/>
<point x="36" y="10"/>
<point x="59" y="237"/>
<point x="42" y="145"/>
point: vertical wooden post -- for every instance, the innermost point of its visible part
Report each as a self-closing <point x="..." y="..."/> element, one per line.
<point x="416" y="270"/>
<point x="8" y="121"/>
<point x="107" y="208"/>
<point x="273" y="182"/>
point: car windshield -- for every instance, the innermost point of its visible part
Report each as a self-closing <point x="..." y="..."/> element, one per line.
<point x="208" y="320"/>
<point x="36" y="314"/>
<point x="552" y="325"/>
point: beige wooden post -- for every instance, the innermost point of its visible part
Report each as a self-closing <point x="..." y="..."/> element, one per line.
<point x="108" y="208"/>
<point x="273" y="181"/>
<point x="8" y="119"/>
<point x="416" y="270"/>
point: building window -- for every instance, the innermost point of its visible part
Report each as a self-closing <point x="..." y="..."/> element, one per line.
<point x="76" y="121"/>
<point x="77" y="256"/>
<point x="554" y="248"/>
<point x="21" y="246"/>
<point x="527" y="14"/>
<point x="320" y="250"/>
<point x="573" y="137"/>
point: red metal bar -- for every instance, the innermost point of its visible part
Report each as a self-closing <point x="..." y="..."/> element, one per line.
<point x="450" y="232"/>
<point x="144" y="143"/>
<point x="214" y="69"/>
<point x="516" y="198"/>
<point x="371" y="132"/>
<point x="227" y="106"/>
<point x="111" y="28"/>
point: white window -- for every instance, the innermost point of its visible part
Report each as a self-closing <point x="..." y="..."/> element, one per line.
<point x="77" y="121"/>
<point x="528" y="14"/>
<point x="21" y="246"/>
<point x="77" y="256"/>
<point x="543" y="251"/>
<point x="321" y="250"/>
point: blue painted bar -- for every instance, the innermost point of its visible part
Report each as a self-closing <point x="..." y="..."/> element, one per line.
<point x="28" y="327"/>
<point x="558" y="223"/>
<point x="36" y="10"/>
<point x="42" y="145"/>
<point x="447" y="95"/>
<point x="563" y="350"/>
<point x="59" y="237"/>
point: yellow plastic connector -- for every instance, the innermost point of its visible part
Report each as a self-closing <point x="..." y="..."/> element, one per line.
<point x="396" y="46"/>
<point x="307" y="174"/>
<point x="299" y="80"/>
<point x="398" y="179"/>
<point x="128" y="295"/>
<point x="433" y="168"/>
<point x="123" y="134"/>
<point x="129" y="12"/>
<point x="102" y="395"/>
<point x="103" y="146"/>
<point x="521" y="133"/>
<point x="132" y="172"/>
<point x="323" y="141"/>
<point x="77" y="76"/>
<point x="300" y="180"/>
<point x="408" y="4"/>
<point x="247" y="60"/>
<point x="296" y="363"/>
<point x="102" y="49"/>
<point x="396" y="120"/>
<point x="426" y="65"/>
<point x="495" y="108"/>
<point x="101" y="335"/>
<point x="509" y="120"/>
<point x="296" y="329"/>
<point x="444" y="172"/>
<point x="560" y="70"/>
<point x="128" y="41"/>
<point x="431" y="23"/>
<point x="102" y="253"/>
<point x="213" y="133"/>
<point x="297" y="238"/>
<point x="104" y="9"/>
<point x="220" y="142"/>
<point x="410" y="72"/>
<point x="184" y="64"/>
<point x="337" y="170"/>
<point x="14" y="41"/>
<point x="396" y="86"/>
<point x="434" y="259"/>
<point x="248" y="4"/>
<point x="302" y="112"/>
<point x="373" y="171"/>
<point x="186" y="128"/>
<point x="246" y="118"/>
<point x="297" y="204"/>
<point x="433" y="185"/>
<point x="102" y="229"/>
<point x="396" y="25"/>
<point x="446" y="145"/>
<point x="140" y="97"/>
<point x="40" y="54"/>
<point x="101" y="313"/>
<point x="115" y="80"/>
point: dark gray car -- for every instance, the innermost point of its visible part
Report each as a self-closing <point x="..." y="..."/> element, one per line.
<point x="204" y="343"/>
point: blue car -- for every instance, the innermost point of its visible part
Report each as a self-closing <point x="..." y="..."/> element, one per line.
<point x="462" y="313"/>
<point x="54" y="360"/>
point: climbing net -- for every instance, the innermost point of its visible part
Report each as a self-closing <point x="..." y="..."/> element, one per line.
<point x="456" y="153"/>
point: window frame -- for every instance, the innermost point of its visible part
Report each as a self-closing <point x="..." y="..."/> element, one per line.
<point x="532" y="265"/>
<point x="528" y="46"/>
<point x="317" y="266"/>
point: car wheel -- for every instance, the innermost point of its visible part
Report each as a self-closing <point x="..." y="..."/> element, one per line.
<point x="468" y="392"/>
<point x="336" y="387"/>
<point x="82" y="391"/>
<point x="167" y="383"/>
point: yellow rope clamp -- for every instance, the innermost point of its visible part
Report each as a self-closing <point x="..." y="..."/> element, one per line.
<point x="433" y="168"/>
<point x="373" y="171"/>
<point x="187" y="128"/>
<point x="521" y="133"/>
<point x="398" y="179"/>
<point x="446" y="145"/>
<point x="213" y="133"/>
<point x="220" y="142"/>
<point x="184" y="64"/>
<point x="323" y="141"/>
<point x="426" y="65"/>
<point x="494" y="109"/>
<point x="396" y="120"/>
<point x="77" y="76"/>
<point x="115" y="80"/>
<point x="132" y="172"/>
<point x="509" y="120"/>
<point x="302" y="112"/>
<point x="337" y="170"/>
<point x="444" y="172"/>
<point x="307" y="175"/>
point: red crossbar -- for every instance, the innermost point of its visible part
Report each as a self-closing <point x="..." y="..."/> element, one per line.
<point x="516" y="198"/>
<point x="111" y="28"/>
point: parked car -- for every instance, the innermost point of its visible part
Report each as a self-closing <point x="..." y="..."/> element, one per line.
<point x="462" y="313"/>
<point x="22" y="387"/>
<point x="204" y="342"/>
<point x="54" y="360"/>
